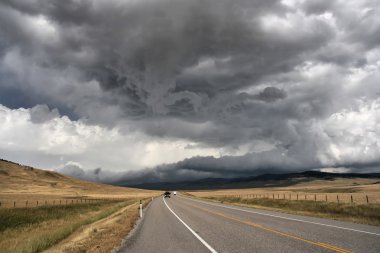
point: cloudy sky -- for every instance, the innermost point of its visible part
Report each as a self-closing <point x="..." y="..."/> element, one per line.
<point x="149" y="90"/>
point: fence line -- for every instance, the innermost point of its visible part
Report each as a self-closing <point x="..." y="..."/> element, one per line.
<point x="54" y="202"/>
<point x="340" y="198"/>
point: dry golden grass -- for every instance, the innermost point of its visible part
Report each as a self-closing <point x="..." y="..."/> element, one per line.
<point x="358" y="213"/>
<point x="359" y="188"/>
<point x="102" y="236"/>
<point x="22" y="183"/>
<point x="284" y="199"/>
<point x="34" y="229"/>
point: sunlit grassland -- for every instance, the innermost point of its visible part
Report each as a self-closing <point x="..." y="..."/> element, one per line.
<point x="36" y="229"/>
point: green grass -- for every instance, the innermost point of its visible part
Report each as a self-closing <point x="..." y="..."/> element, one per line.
<point x="48" y="225"/>
<point x="367" y="214"/>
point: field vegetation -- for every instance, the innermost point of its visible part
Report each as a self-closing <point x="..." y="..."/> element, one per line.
<point x="103" y="210"/>
<point x="36" y="229"/>
<point x="359" y="213"/>
<point x="23" y="183"/>
<point x="349" y="199"/>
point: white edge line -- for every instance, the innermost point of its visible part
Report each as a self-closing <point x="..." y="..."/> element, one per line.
<point x="192" y="231"/>
<point x="282" y="217"/>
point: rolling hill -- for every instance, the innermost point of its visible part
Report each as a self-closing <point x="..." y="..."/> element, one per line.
<point x="20" y="182"/>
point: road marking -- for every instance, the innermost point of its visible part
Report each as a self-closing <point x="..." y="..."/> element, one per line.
<point x="255" y="225"/>
<point x="192" y="231"/>
<point x="286" y="218"/>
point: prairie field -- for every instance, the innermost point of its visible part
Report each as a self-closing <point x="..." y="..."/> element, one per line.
<point x="340" y="199"/>
<point x="358" y="188"/>
<point x="83" y="211"/>
<point x="20" y="184"/>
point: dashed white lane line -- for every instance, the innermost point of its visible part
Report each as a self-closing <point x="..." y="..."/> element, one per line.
<point x="192" y="231"/>
<point x="282" y="217"/>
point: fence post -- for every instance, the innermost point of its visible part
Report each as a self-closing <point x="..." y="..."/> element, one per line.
<point x="53" y="202"/>
<point x="366" y="196"/>
<point x="297" y="196"/>
<point x="0" y="203"/>
<point x="352" y="200"/>
<point x="315" y="197"/>
<point x="37" y="202"/>
<point x="14" y="204"/>
<point x="140" y="209"/>
<point x="273" y="195"/>
<point x="45" y="202"/>
<point x="59" y="201"/>
<point x="337" y="198"/>
<point x="27" y="203"/>
<point x="305" y="196"/>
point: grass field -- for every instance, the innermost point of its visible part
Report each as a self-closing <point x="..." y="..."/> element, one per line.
<point x="321" y="199"/>
<point x="22" y="183"/>
<point x="321" y="189"/>
<point x="34" y="229"/>
<point x="365" y="214"/>
<point x="105" y="235"/>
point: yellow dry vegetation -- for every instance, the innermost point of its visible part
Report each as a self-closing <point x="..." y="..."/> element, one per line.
<point x="87" y="226"/>
<point x="359" y="188"/>
<point x="23" y="183"/>
<point x="103" y="236"/>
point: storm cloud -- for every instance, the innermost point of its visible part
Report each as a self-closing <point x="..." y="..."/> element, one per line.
<point x="196" y="88"/>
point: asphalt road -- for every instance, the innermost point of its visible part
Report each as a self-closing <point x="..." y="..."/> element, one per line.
<point x="182" y="224"/>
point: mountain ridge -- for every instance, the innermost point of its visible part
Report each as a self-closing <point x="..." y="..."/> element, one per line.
<point x="263" y="180"/>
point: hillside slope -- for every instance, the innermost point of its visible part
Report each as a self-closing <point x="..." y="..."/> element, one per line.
<point x="23" y="182"/>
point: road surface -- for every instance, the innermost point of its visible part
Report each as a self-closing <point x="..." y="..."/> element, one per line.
<point x="182" y="224"/>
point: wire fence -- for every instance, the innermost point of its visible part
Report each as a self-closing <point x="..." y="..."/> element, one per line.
<point x="337" y="198"/>
<point x="53" y="202"/>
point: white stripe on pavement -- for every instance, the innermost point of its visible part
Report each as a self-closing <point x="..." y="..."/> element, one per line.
<point x="282" y="217"/>
<point x="192" y="231"/>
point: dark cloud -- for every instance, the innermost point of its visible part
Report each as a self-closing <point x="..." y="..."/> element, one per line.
<point x="242" y="77"/>
<point x="153" y="46"/>
<point x="271" y="94"/>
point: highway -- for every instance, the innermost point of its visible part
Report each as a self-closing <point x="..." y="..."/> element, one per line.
<point x="183" y="224"/>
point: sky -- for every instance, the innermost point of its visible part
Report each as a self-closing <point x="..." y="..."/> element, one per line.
<point x="173" y="90"/>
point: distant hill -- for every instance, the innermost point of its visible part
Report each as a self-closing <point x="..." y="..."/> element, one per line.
<point x="25" y="180"/>
<point x="265" y="180"/>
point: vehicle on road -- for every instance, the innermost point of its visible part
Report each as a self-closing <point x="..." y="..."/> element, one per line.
<point x="175" y="193"/>
<point x="167" y="194"/>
